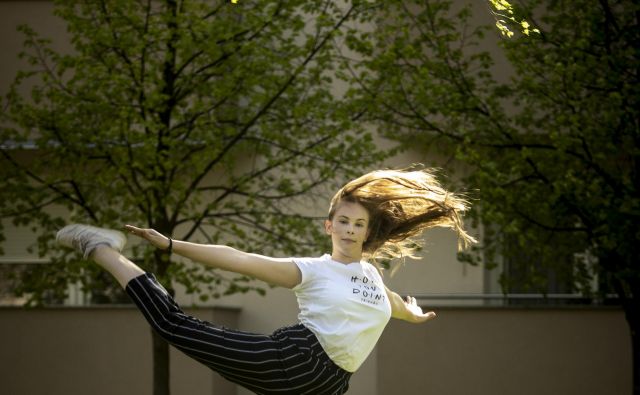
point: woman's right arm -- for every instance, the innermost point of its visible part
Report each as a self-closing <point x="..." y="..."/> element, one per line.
<point x="277" y="271"/>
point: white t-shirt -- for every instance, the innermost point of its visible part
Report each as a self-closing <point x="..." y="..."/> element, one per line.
<point x="344" y="305"/>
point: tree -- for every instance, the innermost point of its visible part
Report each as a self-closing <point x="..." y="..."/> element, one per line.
<point x="553" y="149"/>
<point x="199" y="119"/>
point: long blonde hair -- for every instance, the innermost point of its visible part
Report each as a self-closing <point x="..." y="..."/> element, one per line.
<point x="401" y="205"/>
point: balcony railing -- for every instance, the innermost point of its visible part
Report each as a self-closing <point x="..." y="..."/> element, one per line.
<point x="517" y="299"/>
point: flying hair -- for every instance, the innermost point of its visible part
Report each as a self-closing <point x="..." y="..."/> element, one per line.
<point x="402" y="204"/>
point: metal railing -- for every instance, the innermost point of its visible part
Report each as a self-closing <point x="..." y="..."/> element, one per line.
<point x="521" y="299"/>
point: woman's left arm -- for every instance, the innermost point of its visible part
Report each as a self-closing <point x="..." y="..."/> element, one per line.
<point x="407" y="310"/>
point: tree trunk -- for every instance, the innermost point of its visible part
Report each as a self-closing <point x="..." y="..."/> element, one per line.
<point x="628" y="292"/>
<point x="161" y="382"/>
<point x="631" y="308"/>
<point x="161" y="378"/>
<point x="632" y="313"/>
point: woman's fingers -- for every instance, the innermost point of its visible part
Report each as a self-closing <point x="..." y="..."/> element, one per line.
<point x="144" y="233"/>
<point x="151" y="235"/>
<point x="411" y="300"/>
<point x="424" y="317"/>
<point x="133" y="230"/>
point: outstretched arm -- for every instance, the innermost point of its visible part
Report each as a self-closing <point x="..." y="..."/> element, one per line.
<point x="407" y="310"/>
<point x="277" y="271"/>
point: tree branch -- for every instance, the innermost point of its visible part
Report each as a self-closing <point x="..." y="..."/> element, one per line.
<point x="79" y="201"/>
<point x="258" y="114"/>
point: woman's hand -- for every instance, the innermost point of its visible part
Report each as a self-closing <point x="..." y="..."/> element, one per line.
<point x="152" y="236"/>
<point x="415" y="313"/>
<point x="407" y="309"/>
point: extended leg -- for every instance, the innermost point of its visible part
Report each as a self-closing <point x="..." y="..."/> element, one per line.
<point x="103" y="246"/>
<point x="120" y="267"/>
<point x="291" y="361"/>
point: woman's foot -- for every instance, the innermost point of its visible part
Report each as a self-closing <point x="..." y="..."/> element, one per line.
<point x="85" y="238"/>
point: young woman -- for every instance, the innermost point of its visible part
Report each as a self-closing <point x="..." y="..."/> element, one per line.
<point x="344" y="304"/>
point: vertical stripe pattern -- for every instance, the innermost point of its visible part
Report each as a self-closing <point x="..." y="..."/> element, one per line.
<point x="290" y="361"/>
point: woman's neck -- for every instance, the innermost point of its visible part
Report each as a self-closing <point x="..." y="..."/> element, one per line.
<point x="345" y="258"/>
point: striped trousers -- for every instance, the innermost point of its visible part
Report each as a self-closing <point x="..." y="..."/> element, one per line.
<point x="290" y="361"/>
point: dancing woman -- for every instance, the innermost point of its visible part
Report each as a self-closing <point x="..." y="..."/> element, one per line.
<point x="344" y="304"/>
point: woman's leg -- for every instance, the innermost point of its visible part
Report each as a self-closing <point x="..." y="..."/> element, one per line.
<point x="122" y="269"/>
<point x="291" y="361"/>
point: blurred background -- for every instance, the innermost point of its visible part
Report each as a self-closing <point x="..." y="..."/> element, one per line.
<point x="235" y="123"/>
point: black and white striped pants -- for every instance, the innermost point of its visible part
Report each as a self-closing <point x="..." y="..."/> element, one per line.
<point x="290" y="361"/>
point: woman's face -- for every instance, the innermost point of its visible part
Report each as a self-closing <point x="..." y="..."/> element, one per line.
<point x="349" y="229"/>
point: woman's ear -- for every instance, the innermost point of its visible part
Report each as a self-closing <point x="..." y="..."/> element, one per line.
<point x="327" y="226"/>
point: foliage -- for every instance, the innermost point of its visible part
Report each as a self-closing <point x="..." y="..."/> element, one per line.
<point x="206" y="121"/>
<point x="550" y="140"/>
<point x="504" y="14"/>
<point x="553" y="150"/>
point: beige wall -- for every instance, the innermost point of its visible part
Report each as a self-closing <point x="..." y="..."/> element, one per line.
<point x="464" y="351"/>
<point x="477" y="351"/>
<point x="97" y="351"/>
